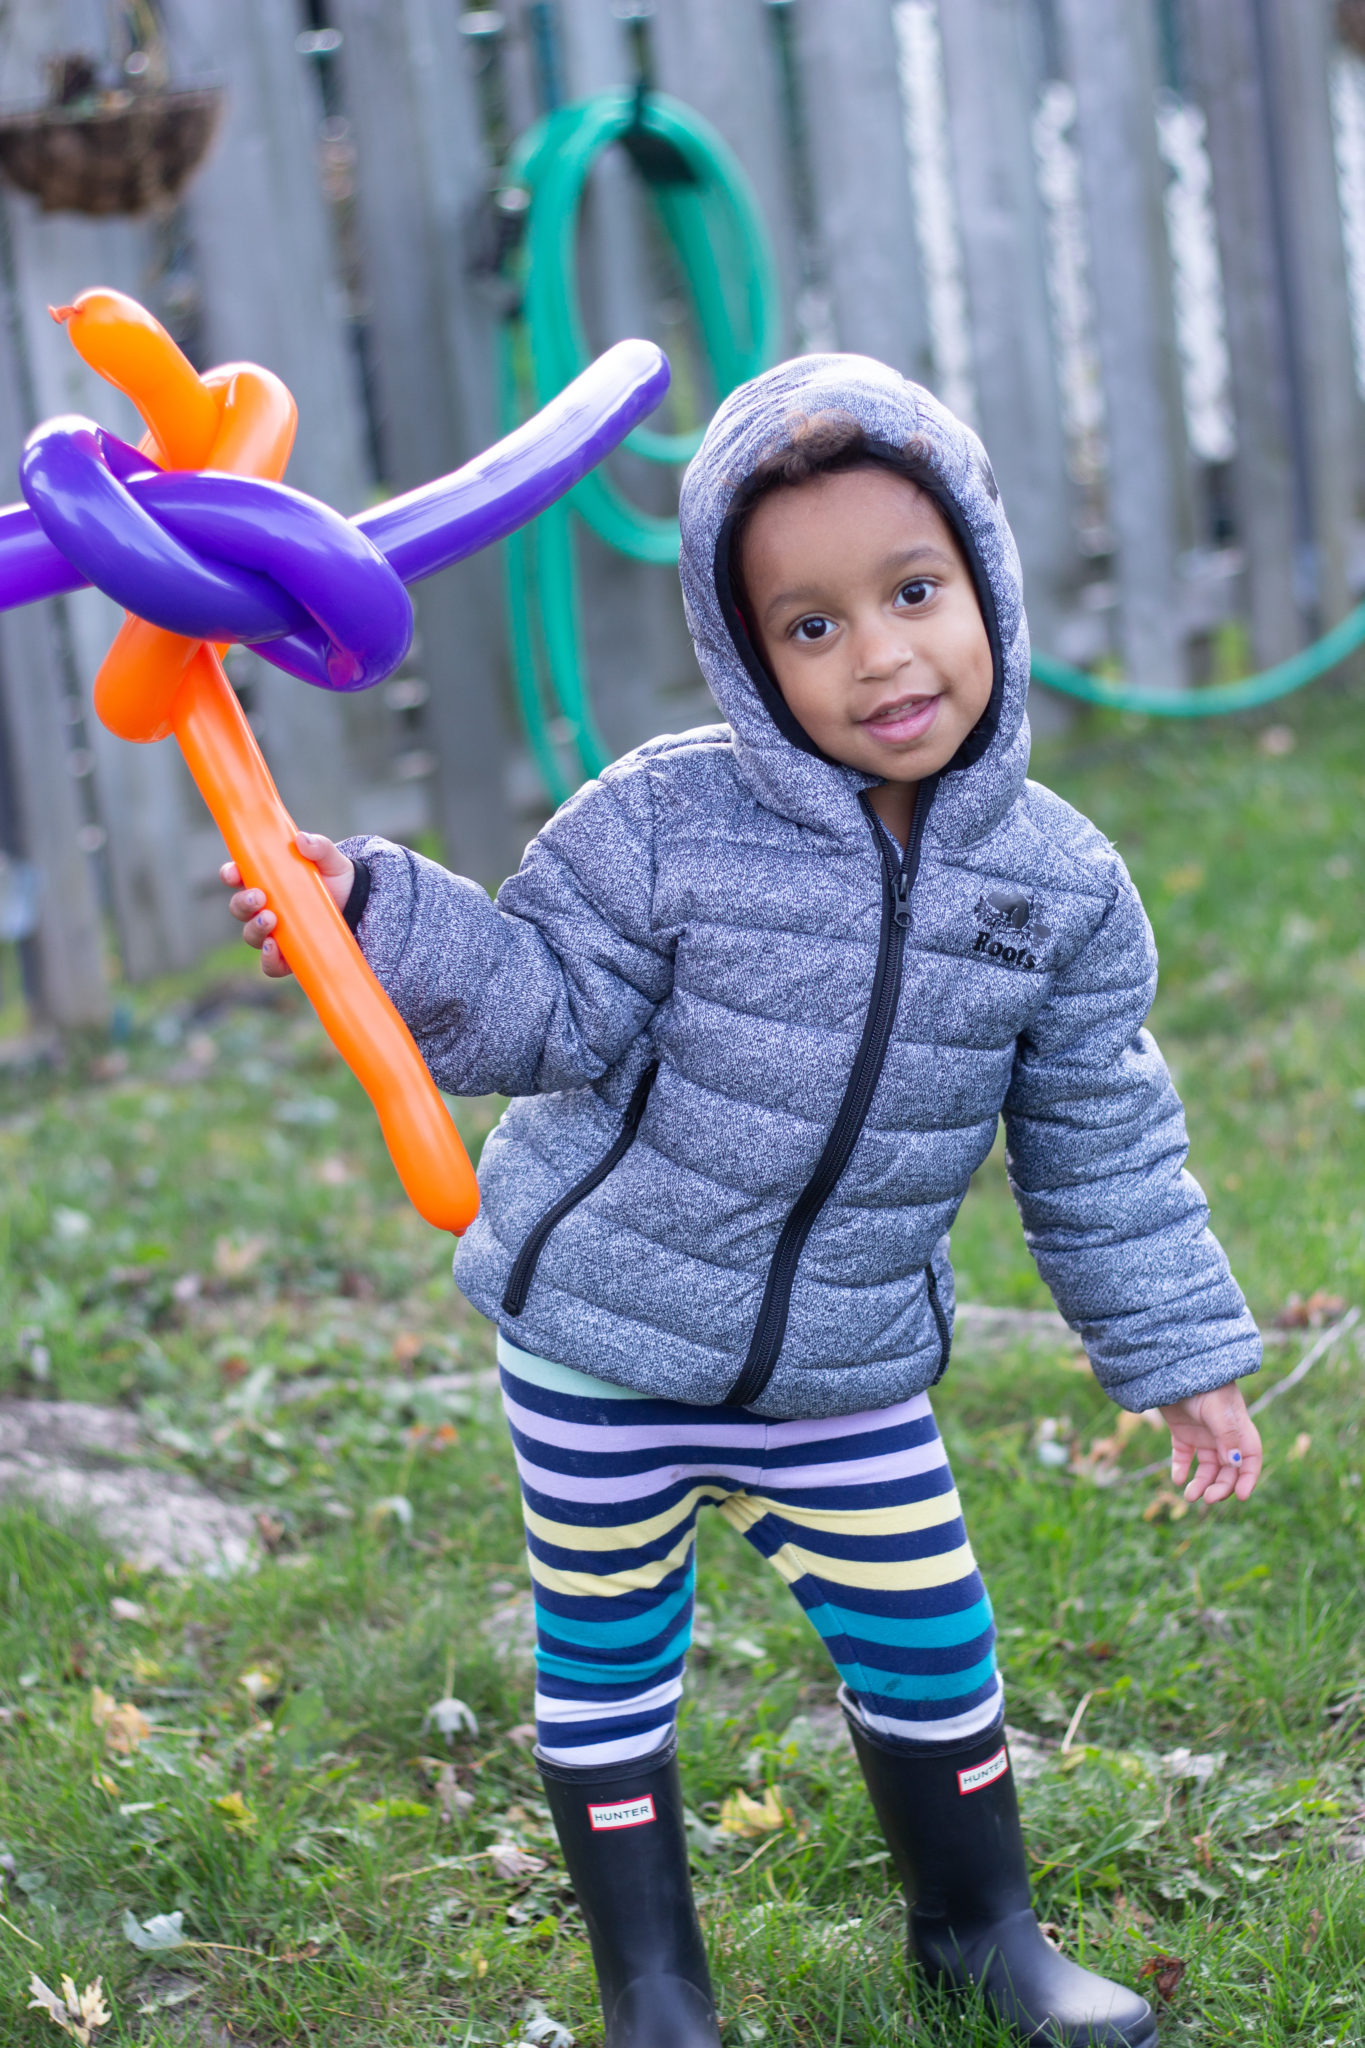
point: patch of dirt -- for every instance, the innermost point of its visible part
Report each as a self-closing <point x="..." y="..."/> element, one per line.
<point x="76" y="1459"/>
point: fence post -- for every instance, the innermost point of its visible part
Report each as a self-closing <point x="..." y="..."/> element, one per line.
<point x="641" y="669"/>
<point x="991" y="88"/>
<point x="406" y="73"/>
<point x="1228" y="82"/>
<point x="1297" y="56"/>
<point x="1111" y="48"/>
<point x="860" y="181"/>
<point x="269" y="294"/>
<point x="70" y="986"/>
<point x="720" y="56"/>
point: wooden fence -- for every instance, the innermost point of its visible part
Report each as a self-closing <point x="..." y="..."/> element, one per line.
<point x="1126" y="237"/>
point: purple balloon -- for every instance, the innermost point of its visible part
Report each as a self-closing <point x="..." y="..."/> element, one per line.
<point x="219" y="557"/>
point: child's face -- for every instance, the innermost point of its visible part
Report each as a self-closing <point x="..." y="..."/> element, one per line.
<point x="864" y="610"/>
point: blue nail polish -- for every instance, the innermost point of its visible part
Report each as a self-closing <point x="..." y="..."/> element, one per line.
<point x="1236" y="1457"/>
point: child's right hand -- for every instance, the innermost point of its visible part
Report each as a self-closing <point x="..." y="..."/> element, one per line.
<point x="251" y="910"/>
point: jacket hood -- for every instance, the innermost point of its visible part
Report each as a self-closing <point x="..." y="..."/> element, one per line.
<point x="785" y="771"/>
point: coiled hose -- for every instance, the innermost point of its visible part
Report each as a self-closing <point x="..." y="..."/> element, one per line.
<point x="708" y="212"/>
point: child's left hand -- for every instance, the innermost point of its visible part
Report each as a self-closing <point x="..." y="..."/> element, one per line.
<point x="1215" y="1430"/>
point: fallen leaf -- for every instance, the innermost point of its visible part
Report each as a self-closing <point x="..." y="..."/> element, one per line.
<point x="234" y="1257"/>
<point x="76" y="2013"/>
<point x="1167" y="1972"/>
<point x="102" y="1782"/>
<point x="269" y="1528"/>
<point x="1301" y="1445"/>
<point x="395" y="1506"/>
<point x="236" y="1814"/>
<point x="1314" y="1930"/>
<point x="234" y="1368"/>
<point x="451" y="1796"/>
<point x="406" y="1346"/>
<point x="301" y="1955"/>
<point x="743" y="1815"/>
<point x="126" y="1610"/>
<point x="260" y="1683"/>
<point x="512" y="1864"/>
<point x="543" y="2032"/>
<point x="1166" y="1503"/>
<point x="163" y="1930"/>
<point x="451" y="1717"/>
<point x="124" y="1726"/>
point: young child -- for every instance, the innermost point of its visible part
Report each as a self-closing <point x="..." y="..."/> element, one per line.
<point x="760" y="995"/>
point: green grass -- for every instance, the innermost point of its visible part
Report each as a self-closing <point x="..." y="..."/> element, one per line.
<point x="212" y="1236"/>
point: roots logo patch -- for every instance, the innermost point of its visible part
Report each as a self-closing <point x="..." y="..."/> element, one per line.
<point x="1008" y="929"/>
<point x="623" y="1813"/>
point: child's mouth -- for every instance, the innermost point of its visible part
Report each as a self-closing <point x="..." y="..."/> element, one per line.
<point x="907" y="719"/>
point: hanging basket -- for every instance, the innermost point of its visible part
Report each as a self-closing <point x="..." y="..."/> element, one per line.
<point x="130" y="154"/>
<point x="1351" y="24"/>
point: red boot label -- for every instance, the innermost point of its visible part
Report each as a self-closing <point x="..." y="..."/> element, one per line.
<point x="625" y="1813"/>
<point x="979" y="1774"/>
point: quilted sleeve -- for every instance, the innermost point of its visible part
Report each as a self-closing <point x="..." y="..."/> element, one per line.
<point x="546" y="987"/>
<point x="1095" y="1149"/>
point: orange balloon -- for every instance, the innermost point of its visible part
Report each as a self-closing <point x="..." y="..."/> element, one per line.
<point x="241" y="418"/>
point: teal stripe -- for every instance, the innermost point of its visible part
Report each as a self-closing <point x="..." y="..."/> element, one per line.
<point x="603" y="1675"/>
<point x="904" y="1632"/>
<point x="909" y="1685"/>
<point x="612" y="1635"/>
<point x="560" y="1379"/>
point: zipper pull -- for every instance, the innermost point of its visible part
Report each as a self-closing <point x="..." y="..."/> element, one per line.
<point x="900" y="899"/>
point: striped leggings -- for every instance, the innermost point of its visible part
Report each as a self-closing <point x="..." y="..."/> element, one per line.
<point x="858" y="1513"/>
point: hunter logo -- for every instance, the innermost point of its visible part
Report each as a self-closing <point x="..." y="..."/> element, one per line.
<point x="1007" y="930"/>
<point x="981" y="1775"/>
<point x="622" y="1813"/>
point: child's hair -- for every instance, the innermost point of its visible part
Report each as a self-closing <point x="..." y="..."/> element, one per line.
<point x="819" y="444"/>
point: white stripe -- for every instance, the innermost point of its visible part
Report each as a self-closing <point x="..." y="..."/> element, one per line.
<point x="624" y="1751"/>
<point x="891" y="1465"/>
<point x="973" y="1722"/>
<point x="548" y="1708"/>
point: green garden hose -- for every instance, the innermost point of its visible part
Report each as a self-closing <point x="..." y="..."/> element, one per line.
<point x="1214" y="700"/>
<point x="708" y="212"/>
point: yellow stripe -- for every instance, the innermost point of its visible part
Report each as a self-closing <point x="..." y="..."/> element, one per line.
<point x="893" y="1521"/>
<point x="640" y="1578"/>
<point x="901" y="1575"/>
<point x="627" y="1535"/>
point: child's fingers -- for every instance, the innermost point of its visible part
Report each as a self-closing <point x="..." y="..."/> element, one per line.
<point x="230" y="873"/>
<point x="258" y="929"/>
<point x="1205" y="1472"/>
<point x="1182" y="1451"/>
<point x="273" y="961"/>
<point x="326" y="856"/>
<point x="245" y="904"/>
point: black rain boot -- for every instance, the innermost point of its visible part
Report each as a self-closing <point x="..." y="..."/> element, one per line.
<point x="621" y="1830"/>
<point x="951" y="1822"/>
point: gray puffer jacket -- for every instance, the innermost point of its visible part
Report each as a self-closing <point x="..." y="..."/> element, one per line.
<point x="756" y="1056"/>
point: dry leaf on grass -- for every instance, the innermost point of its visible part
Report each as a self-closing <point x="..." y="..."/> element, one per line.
<point x="743" y="1815"/>
<point x="261" y="1682"/>
<point x="163" y="1930"/>
<point x="234" y="1812"/>
<point x="124" y="1726"/>
<point x="234" y="1257"/>
<point x="511" y="1864"/>
<point x="76" y="2013"/>
<point x="451" y="1795"/>
<point x="1166" y="1973"/>
<point x="1165" y="1503"/>
<point x="451" y="1717"/>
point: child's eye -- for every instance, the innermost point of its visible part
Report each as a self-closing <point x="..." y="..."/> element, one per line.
<point x="812" y="629"/>
<point x="917" y="591"/>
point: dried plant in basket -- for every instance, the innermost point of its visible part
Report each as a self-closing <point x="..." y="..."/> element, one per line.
<point x="121" y="152"/>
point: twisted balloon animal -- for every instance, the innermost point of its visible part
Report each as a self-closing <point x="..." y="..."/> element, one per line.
<point x="196" y="537"/>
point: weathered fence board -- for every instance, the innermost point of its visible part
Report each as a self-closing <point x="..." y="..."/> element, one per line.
<point x="991" y="86"/>
<point x="1227" y="78"/>
<point x="860" y="181"/>
<point x="406" y="72"/>
<point x="1111" y="51"/>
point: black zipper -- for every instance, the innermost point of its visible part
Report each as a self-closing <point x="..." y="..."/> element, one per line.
<point x="945" y="1335"/>
<point x="524" y="1267"/>
<point x="771" y="1328"/>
